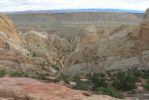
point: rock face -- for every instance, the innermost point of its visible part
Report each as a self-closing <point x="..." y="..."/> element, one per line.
<point x="11" y="49"/>
<point x="147" y="13"/>
<point x="8" y="28"/>
<point x="144" y="35"/>
<point x="123" y="48"/>
<point x="118" y="50"/>
<point x="30" y="51"/>
<point x="30" y="89"/>
<point x="53" y="21"/>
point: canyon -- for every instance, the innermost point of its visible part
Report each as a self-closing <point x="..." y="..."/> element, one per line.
<point x="72" y="45"/>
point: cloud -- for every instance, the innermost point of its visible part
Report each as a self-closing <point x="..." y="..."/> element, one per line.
<point x="21" y="5"/>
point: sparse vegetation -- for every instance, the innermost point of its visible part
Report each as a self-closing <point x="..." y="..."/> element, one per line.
<point x="124" y="80"/>
<point x="98" y="80"/>
<point x="18" y="73"/>
<point x="110" y="84"/>
<point x="41" y="76"/>
<point x="146" y="85"/>
<point x="79" y="84"/>
<point x="62" y="78"/>
<point x="100" y="83"/>
<point x="3" y="73"/>
<point x="145" y="74"/>
<point x="111" y="92"/>
<point x="21" y="73"/>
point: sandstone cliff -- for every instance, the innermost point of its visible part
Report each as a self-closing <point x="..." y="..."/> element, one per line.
<point x="123" y="48"/>
<point x="32" y="51"/>
<point x="144" y="36"/>
<point x="146" y="14"/>
<point x="8" y="28"/>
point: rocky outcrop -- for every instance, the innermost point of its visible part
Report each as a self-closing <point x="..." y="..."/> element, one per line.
<point x="34" y="53"/>
<point x="11" y="49"/>
<point x="146" y="14"/>
<point x="30" y="89"/>
<point x="144" y="36"/>
<point x="30" y="51"/>
<point x="119" y="50"/>
<point x="59" y="43"/>
<point x="39" y="46"/>
<point x="123" y="48"/>
<point x="8" y="27"/>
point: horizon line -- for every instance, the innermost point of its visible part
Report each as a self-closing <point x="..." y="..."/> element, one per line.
<point x="77" y="10"/>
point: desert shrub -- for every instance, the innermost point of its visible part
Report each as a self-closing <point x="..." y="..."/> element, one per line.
<point x="133" y="91"/>
<point x="124" y="80"/>
<point x="18" y="73"/>
<point x="62" y="78"/>
<point x="146" y="85"/>
<point x="3" y="73"/>
<point x="137" y="73"/>
<point x="140" y="73"/>
<point x="40" y="76"/>
<point x="111" y="92"/>
<point x="98" y="80"/>
<point x="21" y="73"/>
<point x="79" y="84"/>
<point x="145" y="74"/>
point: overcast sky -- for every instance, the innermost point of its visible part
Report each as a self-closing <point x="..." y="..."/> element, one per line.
<point x="21" y="5"/>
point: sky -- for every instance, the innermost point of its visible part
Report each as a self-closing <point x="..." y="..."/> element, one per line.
<point x="23" y="5"/>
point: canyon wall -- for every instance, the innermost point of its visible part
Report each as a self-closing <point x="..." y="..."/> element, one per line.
<point x="94" y="49"/>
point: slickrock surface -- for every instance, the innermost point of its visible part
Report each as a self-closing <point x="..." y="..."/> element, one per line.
<point x="30" y="89"/>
